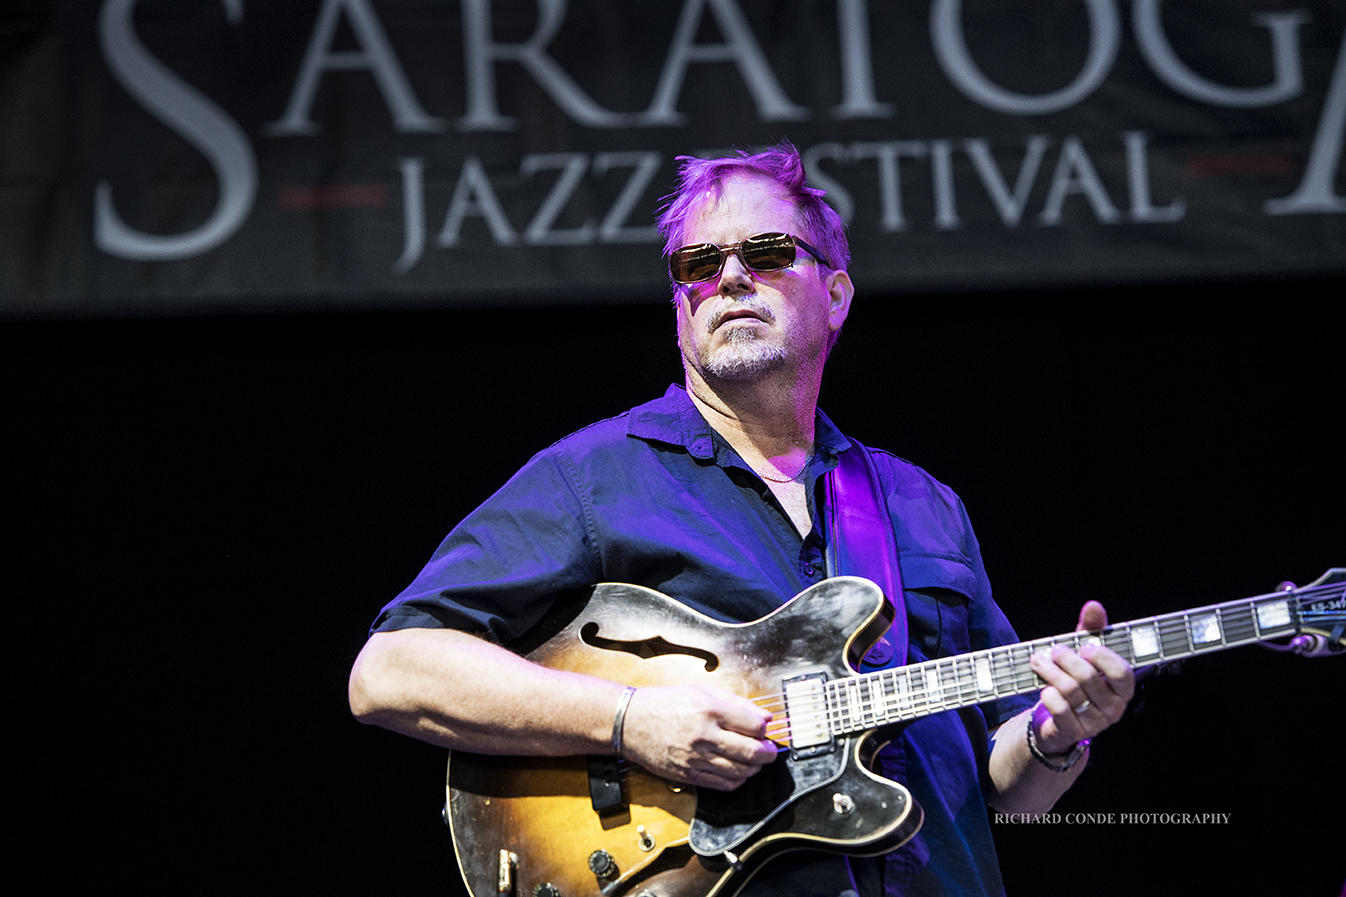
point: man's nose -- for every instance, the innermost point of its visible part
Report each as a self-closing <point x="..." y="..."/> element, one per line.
<point x="735" y="277"/>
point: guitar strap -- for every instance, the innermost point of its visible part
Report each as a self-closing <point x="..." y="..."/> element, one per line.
<point x="861" y="543"/>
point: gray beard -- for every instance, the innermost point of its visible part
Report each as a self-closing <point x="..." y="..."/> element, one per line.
<point x="745" y="357"/>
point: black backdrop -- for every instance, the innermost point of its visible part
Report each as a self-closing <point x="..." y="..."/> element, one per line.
<point x="206" y="514"/>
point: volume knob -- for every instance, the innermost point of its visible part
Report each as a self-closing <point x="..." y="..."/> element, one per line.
<point x="546" y="889"/>
<point x="602" y="864"/>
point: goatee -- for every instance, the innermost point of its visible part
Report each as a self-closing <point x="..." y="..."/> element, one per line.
<point x="745" y="356"/>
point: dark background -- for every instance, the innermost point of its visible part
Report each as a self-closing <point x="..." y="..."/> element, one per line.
<point x="207" y="513"/>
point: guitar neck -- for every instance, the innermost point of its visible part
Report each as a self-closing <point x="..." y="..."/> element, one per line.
<point x="859" y="703"/>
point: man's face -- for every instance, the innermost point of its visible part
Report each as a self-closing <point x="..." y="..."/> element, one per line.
<point x="743" y="324"/>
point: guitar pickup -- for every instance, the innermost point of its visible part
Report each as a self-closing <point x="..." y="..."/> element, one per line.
<point x="806" y="710"/>
<point x="605" y="785"/>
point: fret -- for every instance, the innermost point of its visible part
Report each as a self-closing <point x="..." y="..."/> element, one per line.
<point x="962" y="677"/>
<point x="1239" y="625"/>
<point x="1023" y="672"/>
<point x="872" y="684"/>
<point x="949" y="691"/>
<point x="982" y="673"/>
<point x="1144" y="641"/>
<point x="874" y="689"/>
<point x="1024" y="677"/>
<point x="892" y="693"/>
<point x="1174" y="640"/>
<point x="934" y="675"/>
<point x="902" y="679"/>
<point x="845" y="710"/>
<point x="1274" y="615"/>
<point x="901" y="692"/>
<point x="855" y="713"/>
<point x="874" y="699"/>
<point x="1003" y="669"/>
<point x="952" y="679"/>
<point x="857" y="691"/>
<point x="916" y="682"/>
<point x="926" y="685"/>
<point x="950" y="687"/>
<point x="1203" y="631"/>
<point x="1118" y="638"/>
<point x="878" y="698"/>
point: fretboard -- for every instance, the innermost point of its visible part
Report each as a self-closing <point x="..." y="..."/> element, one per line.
<point x="820" y="711"/>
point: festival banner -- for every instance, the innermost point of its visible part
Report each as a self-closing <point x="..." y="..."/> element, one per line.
<point x="178" y="156"/>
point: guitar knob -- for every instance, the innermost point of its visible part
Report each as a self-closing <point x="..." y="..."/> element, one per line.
<point x="602" y="864"/>
<point x="546" y="889"/>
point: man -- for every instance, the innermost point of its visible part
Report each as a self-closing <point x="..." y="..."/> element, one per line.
<point x="711" y="496"/>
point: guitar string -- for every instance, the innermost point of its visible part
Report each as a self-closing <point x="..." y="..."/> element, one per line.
<point x="855" y="705"/>
<point x="959" y="674"/>
<point x="958" y="687"/>
<point x="913" y="702"/>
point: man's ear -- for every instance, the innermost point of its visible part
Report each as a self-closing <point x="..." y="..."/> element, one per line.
<point x="840" y="291"/>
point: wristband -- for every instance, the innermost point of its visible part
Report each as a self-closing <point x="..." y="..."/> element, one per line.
<point x="619" y="721"/>
<point x="1071" y="759"/>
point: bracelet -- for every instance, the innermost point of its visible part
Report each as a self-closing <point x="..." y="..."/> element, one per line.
<point x="620" y="720"/>
<point x="1071" y="759"/>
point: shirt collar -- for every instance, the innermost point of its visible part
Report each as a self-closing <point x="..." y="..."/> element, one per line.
<point x="673" y="419"/>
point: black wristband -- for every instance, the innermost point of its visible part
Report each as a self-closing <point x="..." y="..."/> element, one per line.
<point x="1071" y="759"/>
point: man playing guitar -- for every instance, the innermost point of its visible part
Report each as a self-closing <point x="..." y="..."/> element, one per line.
<point x="712" y="495"/>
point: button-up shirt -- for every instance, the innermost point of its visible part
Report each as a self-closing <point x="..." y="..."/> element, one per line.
<point x="657" y="498"/>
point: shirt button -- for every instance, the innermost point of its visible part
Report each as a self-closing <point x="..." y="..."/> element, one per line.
<point x="808" y="570"/>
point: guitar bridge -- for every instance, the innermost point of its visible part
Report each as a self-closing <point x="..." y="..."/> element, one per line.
<point x="806" y="710"/>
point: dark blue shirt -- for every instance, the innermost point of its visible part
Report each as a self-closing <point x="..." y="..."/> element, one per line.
<point x="655" y="497"/>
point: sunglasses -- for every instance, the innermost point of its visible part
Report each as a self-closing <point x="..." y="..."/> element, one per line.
<point x="761" y="252"/>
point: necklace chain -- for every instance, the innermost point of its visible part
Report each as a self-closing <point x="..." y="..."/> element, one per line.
<point x="789" y="479"/>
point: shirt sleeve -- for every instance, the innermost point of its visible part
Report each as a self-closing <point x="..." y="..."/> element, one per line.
<point x="501" y="568"/>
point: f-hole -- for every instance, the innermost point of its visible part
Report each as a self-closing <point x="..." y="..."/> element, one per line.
<point x="645" y="648"/>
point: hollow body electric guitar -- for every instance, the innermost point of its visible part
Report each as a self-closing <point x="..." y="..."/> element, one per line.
<point x="584" y="827"/>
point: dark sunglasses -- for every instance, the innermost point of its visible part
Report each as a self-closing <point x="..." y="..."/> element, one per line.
<point x="761" y="252"/>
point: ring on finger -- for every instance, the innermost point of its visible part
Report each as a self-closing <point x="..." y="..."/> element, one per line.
<point x="1080" y="708"/>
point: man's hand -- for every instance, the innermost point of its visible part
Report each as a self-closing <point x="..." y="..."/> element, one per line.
<point x="697" y="735"/>
<point x="1085" y="693"/>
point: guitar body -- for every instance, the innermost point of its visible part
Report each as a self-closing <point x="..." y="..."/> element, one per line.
<point x="583" y="827"/>
<point x="521" y="823"/>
